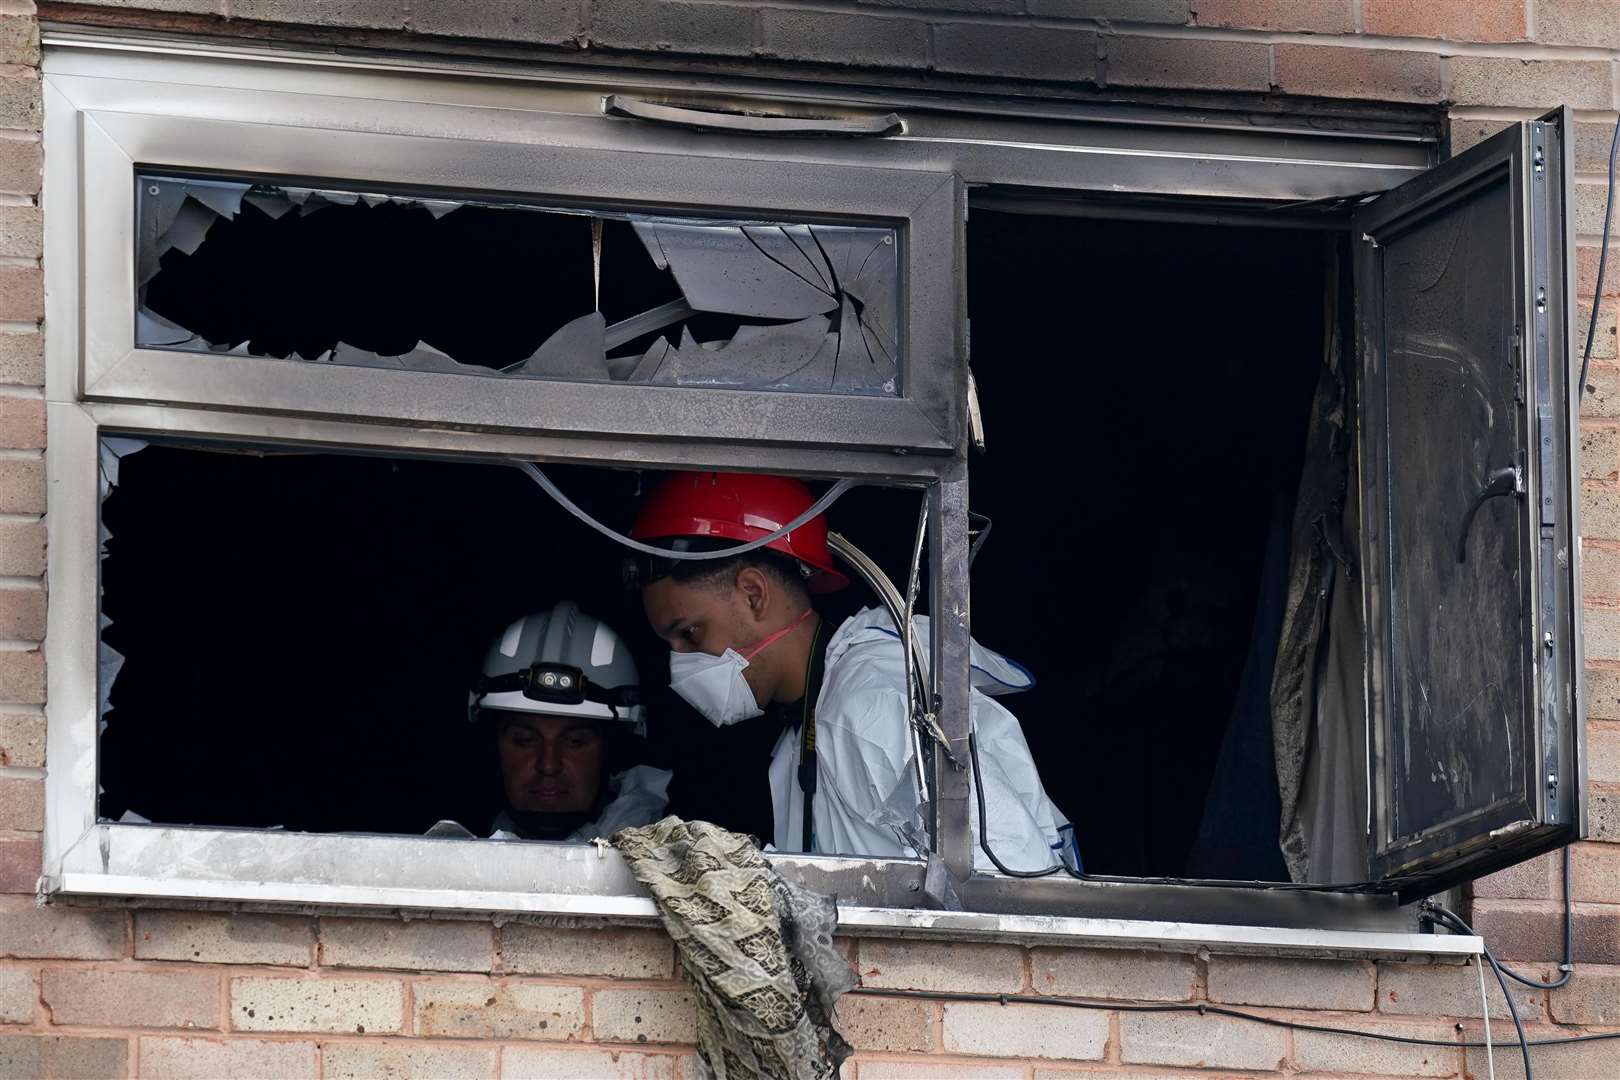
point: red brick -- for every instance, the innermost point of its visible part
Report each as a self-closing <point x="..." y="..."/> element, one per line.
<point x="22" y="804"/>
<point x="1531" y="84"/>
<point x="1186" y="63"/>
<point x="1536" y="879"/>
<point x="1602" y="699"/>
<point x="374" y="1058"/>
<point x="19" y="864"/>
<point x="180" y="1058"/>
<point x="22" y="676"/>
<point x="1592" y="996"/>
<point x="1010" y="51"/>
<point x="22" y="485"/>
<point x="1592" y="140"/>
<point x="1595" y="872"/>
<point x="1595" y="23"/>
<point x="1518" y="931"/>
<point x="1534" y="930"/>
<point x="22" y="739"/>
<point x="19" y="166"/>
<point x="371" y="14"/>
<point x="20" y="232"/>
<point x="1171" y="12"/>
<point x="1600" y="451"/>
<point x="1586" y="260"/>
<point x="1600" y="581"/>
<point x="22" y="613"/>
<point x="22" y="550"/>
<point x="888" y="1024"/>
<point x="19" y="995"/>
<point x="981" y="967"/>
<point x="1602" y="749"/>
<point x="836" y="37"/>
<point x="219" y="937"/>
<point x="57" y="1057"/>
<point x="1588" y="213"/>
<point x="1603" y="814"/>
<point x="1600" y="514"/>
<point x="1430" y="990"/>
<point x="19" y="97"/>
<point x="19" y="40"/>
<point x="1309" y="16"/>
<point x="1452" y="20"/>
<point x="1604" y="345"/>
<point x="22" y="293"/>
<point x="158" y="997"/>
<point x="62" y="933"/>
<point x="1382" y="74"/>
<point x="673" y="26"/>
<point x="1466" y="133"/>
<point x="22" y="358"/>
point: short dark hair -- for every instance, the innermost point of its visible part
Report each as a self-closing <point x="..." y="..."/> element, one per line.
<point x="784" y="570"/>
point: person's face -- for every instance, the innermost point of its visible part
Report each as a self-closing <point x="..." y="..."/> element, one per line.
<point x="703" y="617"/>
<point x="551" y="764"/>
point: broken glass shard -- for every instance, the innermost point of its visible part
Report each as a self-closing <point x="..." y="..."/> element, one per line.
<point x="677" y="301"/>
<point x="577" y="351"/>
<point x="722" y="269"/>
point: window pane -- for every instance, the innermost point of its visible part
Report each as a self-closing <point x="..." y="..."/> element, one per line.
<point x="502" y="290"/>
<point x="1457" y="693"/>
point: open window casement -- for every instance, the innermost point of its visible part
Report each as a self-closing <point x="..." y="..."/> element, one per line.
<point x="1469" y="530"/>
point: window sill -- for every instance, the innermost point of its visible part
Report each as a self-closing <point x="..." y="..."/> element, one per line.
<point x="250" y="869"/>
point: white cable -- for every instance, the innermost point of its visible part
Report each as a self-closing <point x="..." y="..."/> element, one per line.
<point x="820" y="505"/>
<point x="1485" y="1011"/>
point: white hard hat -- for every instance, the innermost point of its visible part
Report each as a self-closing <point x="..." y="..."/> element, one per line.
<point x="561" y="662"/>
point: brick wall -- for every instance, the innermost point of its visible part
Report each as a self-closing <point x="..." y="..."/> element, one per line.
<point x="92" y="993"/>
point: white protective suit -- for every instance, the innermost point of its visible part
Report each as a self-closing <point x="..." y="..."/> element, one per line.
<point x="864" y="771"/>
<point x="640" y="794"/>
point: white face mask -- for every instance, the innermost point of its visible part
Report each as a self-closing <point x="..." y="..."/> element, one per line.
<point x="714" y="685"/>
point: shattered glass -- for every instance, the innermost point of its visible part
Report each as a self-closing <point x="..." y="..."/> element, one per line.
<point x="760" y="305"/>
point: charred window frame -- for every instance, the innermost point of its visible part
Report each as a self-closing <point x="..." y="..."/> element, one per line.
<point x="117" y="371"/>
<point x="111" y="110"/>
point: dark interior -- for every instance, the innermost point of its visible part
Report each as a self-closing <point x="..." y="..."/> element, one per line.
<point x="1145" y="390"/>
<point x="301" y="629"/>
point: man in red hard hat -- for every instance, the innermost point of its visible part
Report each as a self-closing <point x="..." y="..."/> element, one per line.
<point x="745" y="640"/>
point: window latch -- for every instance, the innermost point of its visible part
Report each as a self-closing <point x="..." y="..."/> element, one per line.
<point x="1507" y="480"/>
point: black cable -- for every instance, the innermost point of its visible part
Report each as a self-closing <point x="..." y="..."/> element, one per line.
<point x="1204" y="1008"/>
<point x="984" y="828"/>
<point x="1440" y="913"/>
<point x="1603" y="259"/>
<point x="1568" y="966"/>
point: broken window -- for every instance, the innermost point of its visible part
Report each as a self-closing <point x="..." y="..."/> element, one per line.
<point x="295" y="651"/>
<point x="503" y="289"/>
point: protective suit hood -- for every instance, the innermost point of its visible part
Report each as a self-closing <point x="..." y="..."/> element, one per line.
<point x="992" y="673"/>
<point x="640" y="794"/>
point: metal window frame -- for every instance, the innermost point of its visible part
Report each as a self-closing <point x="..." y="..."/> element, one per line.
<point x="97" y="91"/>
<point x="924" y="206"/>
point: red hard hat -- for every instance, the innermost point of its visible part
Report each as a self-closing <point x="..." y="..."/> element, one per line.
<point x="741" y="507"/>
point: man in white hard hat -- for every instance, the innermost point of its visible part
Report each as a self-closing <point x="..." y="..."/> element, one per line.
<point x="560" y="693"/>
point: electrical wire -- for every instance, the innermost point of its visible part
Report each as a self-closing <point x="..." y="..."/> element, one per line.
<point x="1440" y="913"/>
<point x="1203" y="1008"/>
<point x="1485" y="1014"/>
<point x="1568" y="966"/>
<point x="833" y="494"/>
<point x="1603" y="259"/>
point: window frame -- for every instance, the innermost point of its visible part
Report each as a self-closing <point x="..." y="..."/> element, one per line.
<point x="89" y="80"/>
